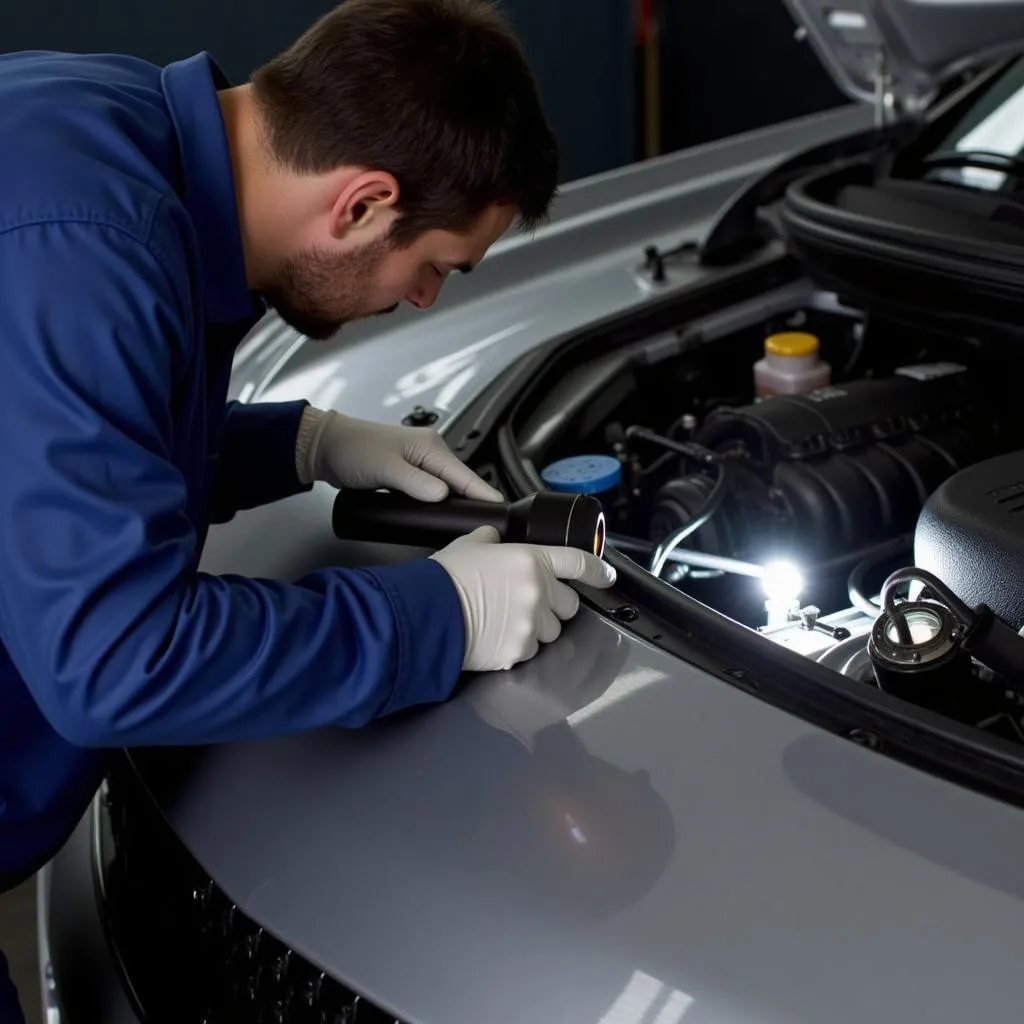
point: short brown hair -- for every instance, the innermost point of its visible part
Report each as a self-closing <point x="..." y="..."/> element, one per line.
<point x="436" y="92"/>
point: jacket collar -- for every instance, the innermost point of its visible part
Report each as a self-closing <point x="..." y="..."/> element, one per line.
<point x="190" y="87"/>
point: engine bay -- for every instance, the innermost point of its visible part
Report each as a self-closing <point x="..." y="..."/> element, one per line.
<point x="806" y="470"/>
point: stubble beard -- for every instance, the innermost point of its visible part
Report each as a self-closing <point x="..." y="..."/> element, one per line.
<point x="316" y="293"/>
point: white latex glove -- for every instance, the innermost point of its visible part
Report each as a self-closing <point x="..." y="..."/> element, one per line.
<point x="362" y="455"/>
<point x="511" y="594"/>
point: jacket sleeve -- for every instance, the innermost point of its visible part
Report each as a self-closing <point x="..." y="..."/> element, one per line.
<point x="119" y="638"/>
<point x="256" y="460"/>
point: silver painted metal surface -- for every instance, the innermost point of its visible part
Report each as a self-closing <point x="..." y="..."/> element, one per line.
<point x="608" y="836"/>
<point x="605" y="835"/>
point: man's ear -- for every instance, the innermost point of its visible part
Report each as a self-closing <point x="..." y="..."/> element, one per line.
<point x="362" y="202"/>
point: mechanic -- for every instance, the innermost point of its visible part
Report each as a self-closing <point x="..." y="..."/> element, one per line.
<point x="148" y="218"/>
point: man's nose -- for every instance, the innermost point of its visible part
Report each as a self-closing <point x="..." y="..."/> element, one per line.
<point x="423" y="296"/>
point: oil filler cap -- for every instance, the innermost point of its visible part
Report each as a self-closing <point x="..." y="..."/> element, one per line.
<point x="583" y="474"/>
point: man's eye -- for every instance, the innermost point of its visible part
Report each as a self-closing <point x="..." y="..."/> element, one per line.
<point x="437" y="270"/>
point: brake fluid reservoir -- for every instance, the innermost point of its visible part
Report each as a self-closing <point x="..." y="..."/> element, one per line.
<point x="791" y="365"/>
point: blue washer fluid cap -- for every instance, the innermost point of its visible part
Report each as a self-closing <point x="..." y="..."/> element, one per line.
<point x="583" y="474"/>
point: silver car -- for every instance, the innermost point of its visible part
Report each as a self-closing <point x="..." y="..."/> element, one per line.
<point x="774" y="776"/>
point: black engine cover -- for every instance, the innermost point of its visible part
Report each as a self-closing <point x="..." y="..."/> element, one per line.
<point x="838" y="470"/>
<point x="971" y="535"/>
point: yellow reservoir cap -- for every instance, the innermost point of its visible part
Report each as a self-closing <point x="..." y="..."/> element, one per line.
<point x="791" y="343"/>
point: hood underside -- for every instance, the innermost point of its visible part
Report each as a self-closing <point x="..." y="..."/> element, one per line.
<point x="897" y="54"/>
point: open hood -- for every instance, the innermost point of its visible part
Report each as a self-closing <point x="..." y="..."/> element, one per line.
<point x="897" y="54"/>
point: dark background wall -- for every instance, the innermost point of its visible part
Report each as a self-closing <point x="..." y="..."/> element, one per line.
<point x="726" y="65"/>
<point x="731" y="66"/>
<point x="589" y="99"/>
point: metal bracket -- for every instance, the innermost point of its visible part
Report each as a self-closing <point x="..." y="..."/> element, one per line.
<point x="887" y="105"/>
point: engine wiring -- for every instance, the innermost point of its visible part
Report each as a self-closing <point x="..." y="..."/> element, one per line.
<point x="667" y="546"/>
<point x="690" y="557"/>
<point x="703" y="457"/>
<point x="857" y="587"/>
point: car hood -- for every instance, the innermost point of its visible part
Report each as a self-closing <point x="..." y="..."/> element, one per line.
<point x="916" y="44"/>
<point x="607" y="835"/>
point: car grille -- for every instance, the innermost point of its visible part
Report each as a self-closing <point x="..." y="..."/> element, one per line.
<point x="188" y="954"/>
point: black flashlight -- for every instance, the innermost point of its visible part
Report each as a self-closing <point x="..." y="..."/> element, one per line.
<point x="547" y="517"/>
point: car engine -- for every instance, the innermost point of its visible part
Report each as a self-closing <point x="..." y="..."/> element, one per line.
<point x="867" y="515"/>
<point x="833" y="472"/>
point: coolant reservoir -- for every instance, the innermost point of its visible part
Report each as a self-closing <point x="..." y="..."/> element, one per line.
<point x="791" y="365"/>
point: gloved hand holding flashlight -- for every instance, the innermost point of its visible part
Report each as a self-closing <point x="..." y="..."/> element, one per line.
<point x="512" y="594"/>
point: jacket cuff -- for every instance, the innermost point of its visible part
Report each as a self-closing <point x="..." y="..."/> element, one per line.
<point x="255" y="464"/>
<point x="430" y="631"/>
<point x="307" y="441"/>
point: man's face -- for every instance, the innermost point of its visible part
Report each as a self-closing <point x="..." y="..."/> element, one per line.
<point x="319" y="290"/>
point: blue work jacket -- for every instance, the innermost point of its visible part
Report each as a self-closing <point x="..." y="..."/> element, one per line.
<point x="122" y="299"/>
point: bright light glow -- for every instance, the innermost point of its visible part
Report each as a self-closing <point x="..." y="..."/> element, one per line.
<point x="782" y="581"/>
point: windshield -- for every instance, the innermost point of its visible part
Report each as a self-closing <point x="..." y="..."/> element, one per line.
<point x="994" y="124"/>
